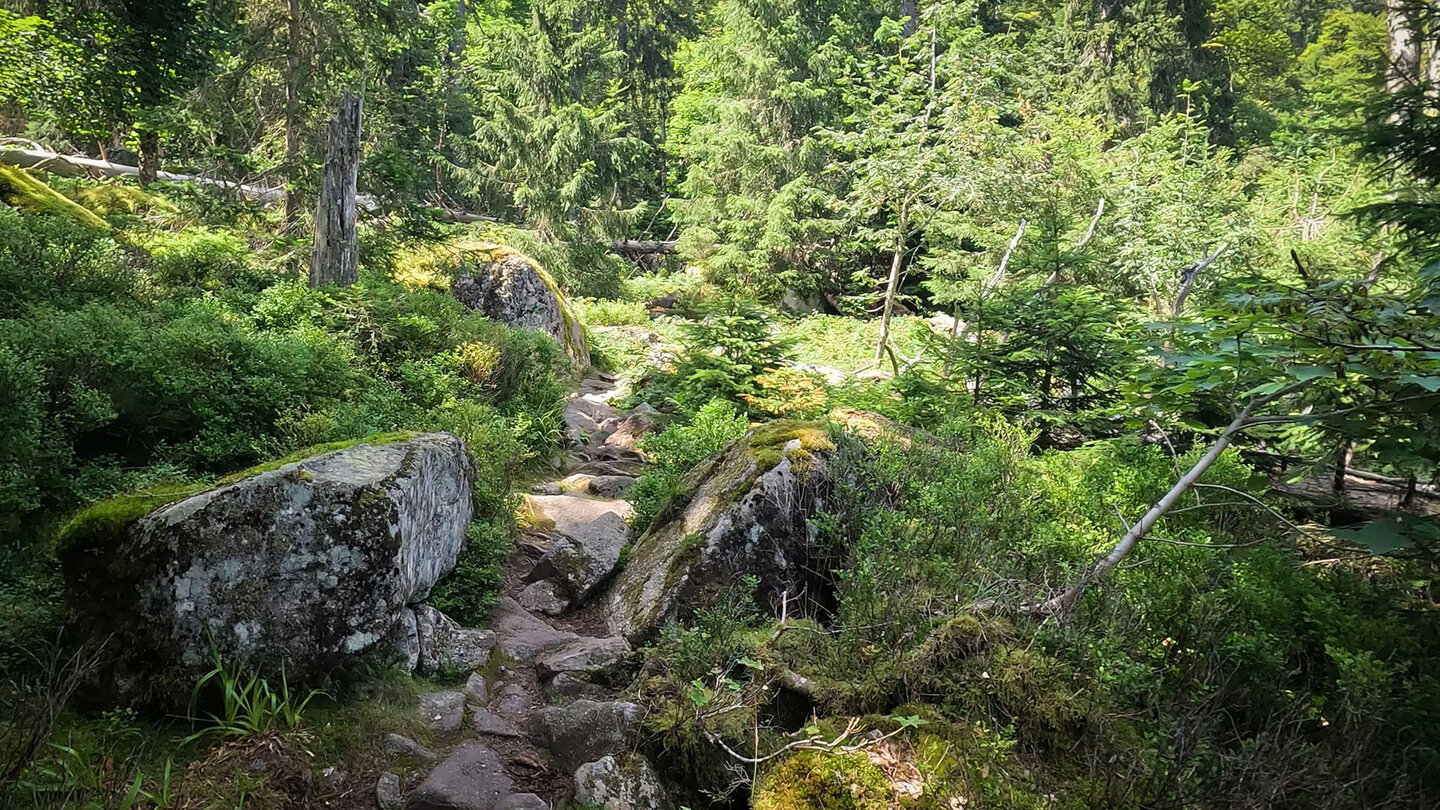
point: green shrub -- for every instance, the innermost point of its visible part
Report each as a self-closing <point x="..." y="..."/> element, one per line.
<point x="721" y="355"/>
<point x="198" y="259"/>
<point x="606" y="312"/>
<point x="676" y="450"/>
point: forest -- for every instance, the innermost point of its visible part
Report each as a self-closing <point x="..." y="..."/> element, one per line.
<point x="667" y="404"/>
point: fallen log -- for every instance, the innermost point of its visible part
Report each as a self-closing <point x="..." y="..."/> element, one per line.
<point x="36" y="159"/>
<point x="641" y="247"/>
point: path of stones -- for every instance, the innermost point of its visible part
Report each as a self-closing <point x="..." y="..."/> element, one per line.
<point x="537" y="724"/>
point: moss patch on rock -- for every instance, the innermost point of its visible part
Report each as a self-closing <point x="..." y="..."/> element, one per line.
<point x="22" y="190"/>
<point x="113" y="199"/>
<point x="811" y="780"/>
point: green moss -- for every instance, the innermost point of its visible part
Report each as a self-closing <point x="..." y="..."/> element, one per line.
<point x="113" y="199"/>
<point x="767" y="442"/>
<point x="22" y="190"/>
<point x="811" y="780"/>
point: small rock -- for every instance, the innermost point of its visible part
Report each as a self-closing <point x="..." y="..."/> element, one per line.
<point x="543" y="597"/>
<point x="587" y="730"/>
<point x="583" y="655"/>
<point x="512" y="702"/>
<point x="630" y="431"/>
<point x="547" y="488"/>
<point x="623" y="782"/>
<point x="388" y="793"/>
<point x="522" y="801"/>
<point x="610" y="486"/>
<point x="445" y="645"/>
<point x="476" y="688"/>
<point x="471" y="778"/>
<point x="568" y="686"/>
<point x="443" y="711"/>
<point x="406" y="640"/>
<point x="394" y="745"/>
<point x="522" y="635"/>
<point x="486" y="722"/>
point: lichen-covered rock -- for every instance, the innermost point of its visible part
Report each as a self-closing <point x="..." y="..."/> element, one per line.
<point x="587" y="730"/>
<point x="294" y="568"/>
<point x="471" y="778"/>
<point x="746" y="513"/>
<point x="445" y="646"/>
<point x="543" y="597"/>
<point x="582" y="558"/>
<point x="443" y="711"/>
<point x="586" y="655"/>
<point x="623" y="782"/>
<point x="513" y="289"/>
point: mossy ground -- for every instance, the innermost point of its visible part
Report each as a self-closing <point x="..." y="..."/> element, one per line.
<point x="811" y="780"/>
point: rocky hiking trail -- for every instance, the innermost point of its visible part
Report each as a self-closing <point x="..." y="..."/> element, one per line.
<point x="536" y="722"/>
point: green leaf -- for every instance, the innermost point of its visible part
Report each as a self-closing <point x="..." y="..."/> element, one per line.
<point x="1303" y="373"/>
<point x="1429" y="383"/>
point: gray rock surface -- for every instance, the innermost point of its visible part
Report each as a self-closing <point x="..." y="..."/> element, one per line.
<point x="513" y="703"/>
<point x="476" y="689"/>
<point x="610" y="486"/>
<point x="297" y="568"/>
<point x="522" y="801"/>
<point x="485" y="721"/>
<point x="443" y="712"/>
<point x="471" y="778"/>
<point x="625" y="781"/>
<point x="585" y="555"/>
<point x="740" y="518"/>
<point x="567" y="686"/>
<point x="543" y="597"/>
<point x="630" y="431"/>
<point x="586" y="655"/>
<point x="587" y="730"/>
<point x="509" y="288"/>
<point x="396" y="745"/>
<point x="443" y="645"/>
<point x="522" y="635"/>
<point x="405" y="639"/>
<point x="388" y="793"/>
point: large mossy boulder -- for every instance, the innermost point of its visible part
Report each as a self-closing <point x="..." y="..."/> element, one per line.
<point x="289" y="568"/>
<point x="506" y="285"/>
<point x="746" y="512"/>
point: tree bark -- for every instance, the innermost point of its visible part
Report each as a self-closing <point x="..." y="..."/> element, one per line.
<point x="292" y="111"/>
<point x="336" y="256"/>
<point x="911" y="14"/>
<point x="1066" y="601"/>
<point x="1404" y="46"/>
<point x="149" y="156"/>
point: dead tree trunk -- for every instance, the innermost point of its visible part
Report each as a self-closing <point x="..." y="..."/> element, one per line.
<point x="149" y="156"/>
<point x="1404" y="45"/>
<point x="892" y="286"/>
<point x="292" y="111"/>
<point x="336" y="258"/>
<point x="1067" y="600"/>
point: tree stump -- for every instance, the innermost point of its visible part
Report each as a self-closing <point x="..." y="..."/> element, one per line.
<point x="336" y="259"/>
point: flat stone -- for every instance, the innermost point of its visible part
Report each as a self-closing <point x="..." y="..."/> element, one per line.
<point x="520" y="634"/>
<point x="395" y="745"/>
<point x="583" y="655"/>
<point x="543" y="597"/>
<point x="485" y="721"/>
<point x="476" y="688"/>
<point x="568" y="686"/>
<point x="611" y="486"/>
<point x="443" y="711"/>
<point x="587" y="730"/>
<point x="547" y="488"/>
<point x="584" y="416"/>
<point x="630" y="431"/>
<point x="471" y="778"/>
<point x="522" y="801"/>
<point x="388" y="793"/>
<point x="626" y="781"/>
<point x="565" y="514"/>
<point x="512" y="703"/>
